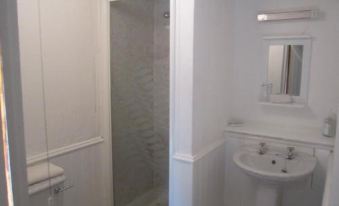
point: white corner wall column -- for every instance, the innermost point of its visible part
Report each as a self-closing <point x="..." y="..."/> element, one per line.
<point x="181" y="97"/>
<point x="11" y="71"/>
<point x="199" y="75"/>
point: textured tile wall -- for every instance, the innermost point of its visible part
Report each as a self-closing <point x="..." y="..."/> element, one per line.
<point x="132" y="98"/>
<point x="140" y="90"/>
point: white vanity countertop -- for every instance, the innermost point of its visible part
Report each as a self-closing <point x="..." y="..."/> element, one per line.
<point x="303" y="135"/>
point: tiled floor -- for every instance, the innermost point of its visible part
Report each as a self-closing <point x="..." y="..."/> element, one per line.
<point x="155" y="197"/>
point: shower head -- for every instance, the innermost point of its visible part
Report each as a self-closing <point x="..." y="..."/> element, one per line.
<point x="166" y="15"/>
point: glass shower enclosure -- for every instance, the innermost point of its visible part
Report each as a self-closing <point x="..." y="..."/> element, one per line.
<point x="139" y="36"/>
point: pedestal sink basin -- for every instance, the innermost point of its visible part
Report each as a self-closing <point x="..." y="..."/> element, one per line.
<point x="272" y="170"/>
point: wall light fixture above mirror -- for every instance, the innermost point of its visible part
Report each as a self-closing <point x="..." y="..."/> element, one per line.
<point x="287" y="69"/>
<point x="287" y="15"/>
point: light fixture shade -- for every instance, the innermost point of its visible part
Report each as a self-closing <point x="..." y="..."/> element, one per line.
<point x="286" y="15"/>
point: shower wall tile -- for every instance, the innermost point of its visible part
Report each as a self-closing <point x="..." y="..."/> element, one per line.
<point x="139" y="65"/>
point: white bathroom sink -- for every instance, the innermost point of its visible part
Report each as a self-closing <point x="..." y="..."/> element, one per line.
<point x="274" y="167"/>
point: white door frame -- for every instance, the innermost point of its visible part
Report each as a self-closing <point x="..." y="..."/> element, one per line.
<point x="104" y="97"/>
<point x="12" y="86"/>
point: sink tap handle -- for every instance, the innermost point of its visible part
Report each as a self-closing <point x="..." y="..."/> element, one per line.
<point x="263" y="148"/>
<point x="291" y="149"/>
<point x="290" y="153"/>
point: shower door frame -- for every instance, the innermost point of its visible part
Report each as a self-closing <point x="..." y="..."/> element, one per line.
<point x="103" y="76"/>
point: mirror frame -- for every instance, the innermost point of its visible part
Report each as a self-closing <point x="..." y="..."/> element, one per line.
<point x="304" y="40"/>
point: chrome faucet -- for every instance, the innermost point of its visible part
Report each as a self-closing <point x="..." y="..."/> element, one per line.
<point x="262" y="148"/>
<point x="290" y="153"/>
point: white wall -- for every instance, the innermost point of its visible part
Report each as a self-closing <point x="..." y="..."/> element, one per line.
<point x="213" y="61"/>
<point x="60" y="72"/>
<point x="248" y="70"/>
<point x="228" y="45"/>
<point x="31" y="77"/>
<point x="68" y="45"/>
<point x="201" y="73"/>
<point x="249" y="65"/>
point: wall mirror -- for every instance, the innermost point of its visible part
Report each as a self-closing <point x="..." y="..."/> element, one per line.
<point x="287" y="70"/>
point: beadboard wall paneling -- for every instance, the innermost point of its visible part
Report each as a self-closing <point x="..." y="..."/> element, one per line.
<point x="88" y="186"/>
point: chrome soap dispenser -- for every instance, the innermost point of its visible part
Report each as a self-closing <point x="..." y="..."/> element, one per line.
<point x="330" y="125"/>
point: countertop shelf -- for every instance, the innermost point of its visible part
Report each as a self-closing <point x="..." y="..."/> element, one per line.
<point x="301" y="135"/>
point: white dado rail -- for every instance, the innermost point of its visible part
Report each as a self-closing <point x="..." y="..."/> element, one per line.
<point x="188" y="158"/>
<point x="64" y="150"/>
<point x="307" y="137"/>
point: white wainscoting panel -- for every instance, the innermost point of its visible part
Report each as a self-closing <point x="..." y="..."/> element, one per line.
<point x="83" y="170"/>
<point x="83" y="165"/>
<point x="209" y="178"/>
<point x="199" y="178"/>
